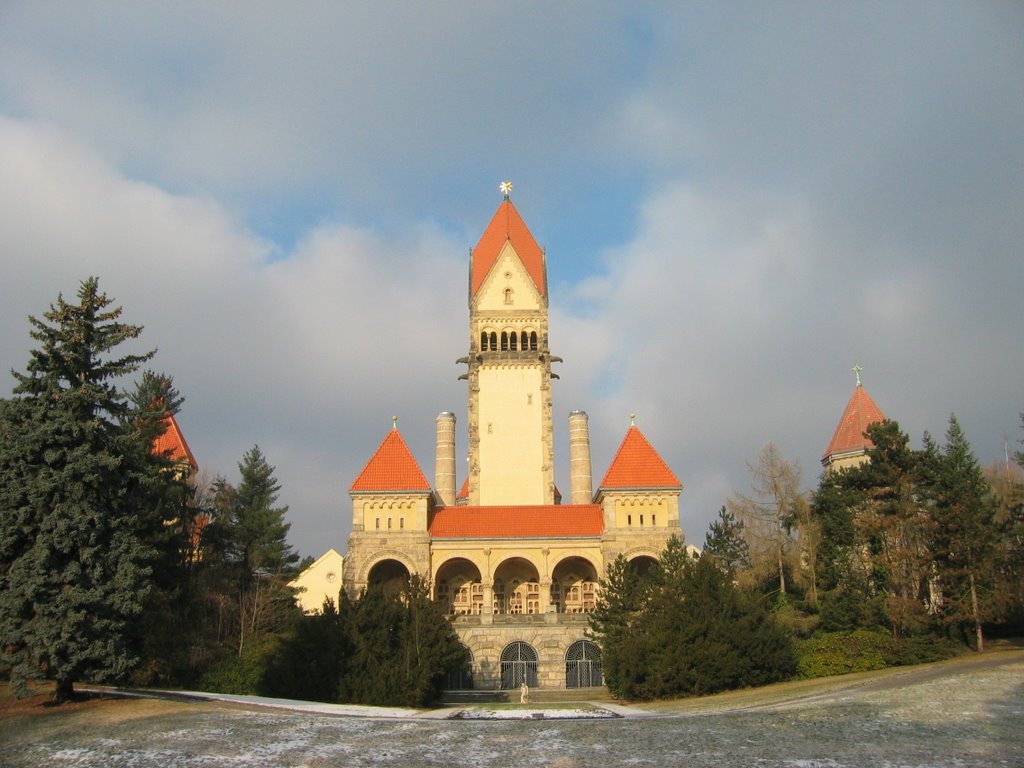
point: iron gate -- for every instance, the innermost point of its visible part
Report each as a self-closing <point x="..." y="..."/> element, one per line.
<point x="583" y="665"/>
<point x="518" y="665"/>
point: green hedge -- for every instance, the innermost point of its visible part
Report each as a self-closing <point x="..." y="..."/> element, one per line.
<point x="840" y="653"/>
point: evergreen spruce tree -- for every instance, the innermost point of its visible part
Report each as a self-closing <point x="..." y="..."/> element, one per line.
<point x="725" y="542"/>
<point x="75" y="529"/>
<point x="962" y="509"/>
<point x="250" y="528"/>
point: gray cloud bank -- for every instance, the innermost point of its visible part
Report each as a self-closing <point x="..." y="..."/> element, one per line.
<point x="739" y="203"/>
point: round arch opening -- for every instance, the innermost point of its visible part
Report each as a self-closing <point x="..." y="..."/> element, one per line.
<point x="516" y="587"/>
<point x="518" y="665"/>
<point x="583" y="665"/>
<point x="458" y="588"/>
<point x="574" y="586"/>
<point x="389" y="576"/>
<point x="641" y="565"/>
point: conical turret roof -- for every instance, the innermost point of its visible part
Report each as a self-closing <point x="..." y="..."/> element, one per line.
<point x="392" y="468"/>
<point x="849" y="438"/>
<point x="638" y="465"/>
<point x="507" y="226"/>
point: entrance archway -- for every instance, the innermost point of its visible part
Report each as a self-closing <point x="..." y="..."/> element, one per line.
<point x="518" y="665"/>
<point x="390" y="576"/>
<point x="583" y="665"/>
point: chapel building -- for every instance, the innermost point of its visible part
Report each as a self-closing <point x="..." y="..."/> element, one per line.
<point x="515" y="568"/>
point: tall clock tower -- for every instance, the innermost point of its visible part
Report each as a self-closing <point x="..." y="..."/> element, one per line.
<point x="511" y="456"/>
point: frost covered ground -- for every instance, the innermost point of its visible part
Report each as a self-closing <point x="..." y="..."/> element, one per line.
<point x="961" y="715"/>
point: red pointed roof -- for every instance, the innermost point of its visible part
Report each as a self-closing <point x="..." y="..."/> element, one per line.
<point x="860" y="413"/>
<point x="172" y="443"/>
<point x="507" y="225"/>
<point x="518" y="522"/>
<point x="392" y="468"/>
<point x="638" y="465"/>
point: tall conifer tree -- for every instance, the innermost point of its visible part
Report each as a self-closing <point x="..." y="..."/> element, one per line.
<point x="74" y="529"/>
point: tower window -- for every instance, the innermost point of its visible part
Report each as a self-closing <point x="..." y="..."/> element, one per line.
<point x="513" y="341"/>
<point x="525" y="345"/>
<point x="641" y="519"/>
<point x="494" y="341"/>
<point x="483" y="341"/>
<point x="533" y="341"/>
<point x="654" y="520"/>
<point x="401" y="522"/>
<point x="389" y="523"/>
<point x="508" y="295"/>
<point x="629" y="519"/>
<point x="504" y="341"/>
<point x="377" y="524"/>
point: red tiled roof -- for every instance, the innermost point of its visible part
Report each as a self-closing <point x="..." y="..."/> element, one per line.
<point x="517" y="522"/>
<point x="507" y="225"/>
<point x="172" y="443"/>
<point x="860" y="413"/>
<point x="464" y="490"/>
<point x="638" y="465"/>
<point x="392" y="468"/>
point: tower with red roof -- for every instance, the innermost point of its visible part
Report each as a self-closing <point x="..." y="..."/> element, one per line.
<point x="849" y="444"/>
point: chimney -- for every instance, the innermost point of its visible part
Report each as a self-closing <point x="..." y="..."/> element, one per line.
<point x="444" y="468"/>
<point x="581" y="484"/>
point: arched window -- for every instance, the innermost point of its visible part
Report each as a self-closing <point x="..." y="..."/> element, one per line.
<point x="533" y="341"/>
<point x="583" y="665"/>
<point x="461" y="679"/>
<point x="525" y="345"/>
<point x="518" y="665"/>
<point x="504" y="341"/>
<point x="513" y="341"/>
<point x="494" y="341"/>
<point x="508" y="295"/>
<point x="483" y="341"/>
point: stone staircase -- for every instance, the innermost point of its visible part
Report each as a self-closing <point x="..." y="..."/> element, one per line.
<point x="537" y="696"/>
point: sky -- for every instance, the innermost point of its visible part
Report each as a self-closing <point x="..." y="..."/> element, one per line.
<point x="739" y="203"/>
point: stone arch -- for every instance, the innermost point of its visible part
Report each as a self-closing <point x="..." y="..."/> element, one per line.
<point x="641" y="561"/>
<point x="370" y="563"/>
<point x="461" y="679"/>
<point x="516" y="587"/>
<point x="574" y="585"/>
<point x="458" y="587"/>
<point x="391" y="576"/>
<point x="583" y="667"/>
<point x="518" y="665"/>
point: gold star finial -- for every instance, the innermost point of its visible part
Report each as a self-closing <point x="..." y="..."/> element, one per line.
<point x="856" y="372"/>
<point x="506" y="188"/>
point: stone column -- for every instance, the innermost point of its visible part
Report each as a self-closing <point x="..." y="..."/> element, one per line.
<point x="580" y="480"/>
<point x="444" y="467"/>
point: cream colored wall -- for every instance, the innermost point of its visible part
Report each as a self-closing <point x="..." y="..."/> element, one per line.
<point x="321" y="580"/>
<point x="634" y="509"/>
<point x="379" y="512"/>
<point x="511" y="427"/>
<point x="507" y="272"/>
<point x="846" y="462"/>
